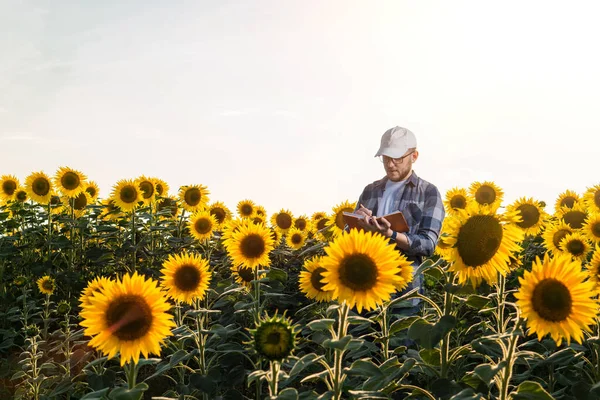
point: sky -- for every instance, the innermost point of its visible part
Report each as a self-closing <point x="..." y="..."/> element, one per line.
<point x="285" y="102"/>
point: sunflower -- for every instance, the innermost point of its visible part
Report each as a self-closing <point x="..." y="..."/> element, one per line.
<point x="591" y="199"/>
<point x="482" y="242"/>
<point x="554" y="234"/>
<point x="93" y="190"/>
<point x="21" y="195"/>
<point x="167" y="207"/>
<point x="442" y="248"/>
<point x="230" y="227"/>
<point x="80" y="203"/>
<point x="487" y="193"/>
<point x="593" y="268"/>
<point x="126" y="195"/>
<point x="576" y="245"/>
<point x="362" y="269"/>
<point x="250" y="245"/>
<point x="532" y="215"/>
<point x="257" y="220"/>
<point x="56" y="205"/>
<point x="20" y="281"/>
<point x="574" y="216"/>
<point x="555" y="298"/>
<point x="591" y="227"/>
<point x="194" y="197"/>
<point x="162" y="188"/>
<point x="295" y="238"/>
<point x="337" y="218"/>
<point x="274" y="338"/>
<point x="148" y="189"/>
<point x="39" y="187"/>
<point x="128" y="316"/>
<point x="201" y="225"/>
<point x="46" y="285"/>
<point x="302" y="223"/>
<point x="317" y="216"/>
<point x="8" y="187"/>
<point x="275" y="236"/>
<point x="186" y="277"/>
<point x="221" y="213"/>
<point x="282" y="221"/>
<point x="310" y="280"/>
<point x="456" y="198"/>
<point x="246" y="208"/>
<point x="69" y="182"/>
<point x="111" y="210"/>
<point x="243" y="275"/>
<point x="567" y="199"/>
<point x="94" y="286"/>
<point x="260" y="211"/>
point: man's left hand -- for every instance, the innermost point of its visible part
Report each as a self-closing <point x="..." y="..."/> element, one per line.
<point x="374" y="224"/>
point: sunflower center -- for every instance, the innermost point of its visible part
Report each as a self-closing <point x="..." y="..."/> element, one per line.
<point x="568" y="201"/>
<point x="48" y="285"/>
<point x="70" y="180"/>
<point x="187" y="278"/>
<point x="458" y="202"/>
<point x="246" y="273"/>
<point x="203" y="226"/>
<point x="129" y="317"/>
<point x="358" y="272"/>
<point x="596" y="229"/>
<point x="273" y="337"/>
<point x="284" y="221"/>
<point x="300" y="224"/>
<point x="159" y="189"/>
<point x="246" y="210"/>
<point x="147" y="189"/>
<point x="315" y="278"/>
<point x="321" y="224"/>
<point x="296" y="238"/>
<point x="55" y="200"/>
<point x="552" y="300"/>
<point x="219" y="214"/>
<point x="80" y="202"/>
<point x="597" y="198"/>
<point x="128" y="194"/>
<point x="559" y="236"/>
<point x="193" y="196"/>
<point x="252" y="246"/>
<point x="530" y="215"/>
<point x="485" y="194"/>
<point x="91" y="191"/>
<point x="575" y="219"/>
<point x="41" y="186"/>
<point x="479" y="239"/>
<point x="9" y="187"/>
<point x="21" y="195"/>
<point x="575" y="247"/>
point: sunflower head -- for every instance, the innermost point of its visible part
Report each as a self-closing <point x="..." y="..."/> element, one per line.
<point x="302" y="223"/>
<point x="591" y="228"/>
<point x="576" y="245"/>
<point x="167" y="207"/>
<point x="295" y="238"/>
<point x="220" y="212"/>
<point x="186" y="277"/>
<point x="8" y="187"/>
<point x="318" y="215"/>
<point x="456" y="199"/>
<point x="481" y="242"/>
<point x="126" y="195"/>
<point x="246" y="208"/>
<point x="80" y="203"/>
<point x="201" y="225"/>
<point x="591" y="199"/>
<point x="593" y="268"/>
<point x="274" y="338"/>
<point x="63" y="307"/>
<point x="282" y="221"/>
<point x="95" y="285"/>
<point x="148" y="189"/>
<point x="310" y="280"/>
<point x="111" y="211"/>
<point x="574" y="216"/>
<point x="20" y="281"/>
<point x="93" y="190"/>
<point x="243" y="275"/>
<point x="363" y="269"/>
<point x="162" y="188"/>
<point x="337" y="217"/>
<point x="69" y="182"/>
<point x="128" y="316"/>
<point x="46" y="285"/>
<point x="567" y="199"/>
<point x="532" y="215"/>
<point x="194" y="197"/>
<point x="250" y="245"/>
<point x="555" y="298"/>
<point x="260" y="211"/>
<point x="486" y="193"/>
<point x="21" y="195"/>
<point x="39" y="187"/>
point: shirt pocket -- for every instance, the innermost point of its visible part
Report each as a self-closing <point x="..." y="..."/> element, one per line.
<point x="412" y="213"/>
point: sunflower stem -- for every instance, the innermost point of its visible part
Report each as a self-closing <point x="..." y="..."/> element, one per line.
<point x="48" y="259"/>
<point x="275" y="366"/>
<point x="445" y="349"/>
<point x="339" y="377"/>
<point x="201" y="338"/>
<point x="385" y="344"/>
<point x="46" y="316"/>
<point x="510" y="360"/>
<point x="180" y="223"/>
<point x="256" y="297"/>
<point x="131" y="370"/>
<point x="133" y="239"/>
<point x="72" y="253"/>
<point x="500" y="290"/>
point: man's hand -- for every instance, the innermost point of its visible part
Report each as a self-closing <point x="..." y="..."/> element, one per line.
<point x="383" y="226"/>
<point x="362" y="210"/>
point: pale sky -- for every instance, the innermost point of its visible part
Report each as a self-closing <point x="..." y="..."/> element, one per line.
<point x="284" y="102"/>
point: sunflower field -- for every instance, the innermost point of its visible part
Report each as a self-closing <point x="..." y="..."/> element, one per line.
<point x="150" y="294"/>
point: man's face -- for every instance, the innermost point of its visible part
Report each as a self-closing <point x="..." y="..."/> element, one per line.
<point x="400" y="168"/>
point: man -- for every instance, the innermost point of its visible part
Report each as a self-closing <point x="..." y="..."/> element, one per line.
<point x="402" y="190"/>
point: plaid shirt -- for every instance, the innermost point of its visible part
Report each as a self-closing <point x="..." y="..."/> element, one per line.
<point x="422" y="206"/>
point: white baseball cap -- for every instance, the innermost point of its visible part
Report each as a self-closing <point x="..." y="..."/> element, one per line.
<point x="396" y="141"/>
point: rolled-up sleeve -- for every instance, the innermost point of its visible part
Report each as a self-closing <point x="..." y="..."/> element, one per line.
<point x="423" y="242"/>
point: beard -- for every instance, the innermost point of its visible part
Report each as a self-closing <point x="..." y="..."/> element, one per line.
<point x="399" y="174"/>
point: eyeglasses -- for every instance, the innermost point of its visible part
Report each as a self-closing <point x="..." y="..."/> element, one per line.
<point x="397" y="161"/>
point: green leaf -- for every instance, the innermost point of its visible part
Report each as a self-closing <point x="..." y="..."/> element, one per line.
<point x="288" y="394"/>
<point x="276" y="274"/>
<point x="401" y="324"/>
<point x="431" y="356"/>
<point x="97" y="395"/>
<point x="321" y="324"/>
<point x="467" y="394"/>
<point x="530" y="390"/>
<point x="429" y="335"/>
<point x="304" y="362"/>
<point x="477" y="302"/>
<point x="337" y="344"/>
<point x="487" y="372"/>
<point x="364" y="368"/>
<point x="122" y="393"/>
<point x="203" y="382"/>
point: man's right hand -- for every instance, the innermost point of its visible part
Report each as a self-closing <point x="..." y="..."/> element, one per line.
<point x="362" y="210"/>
